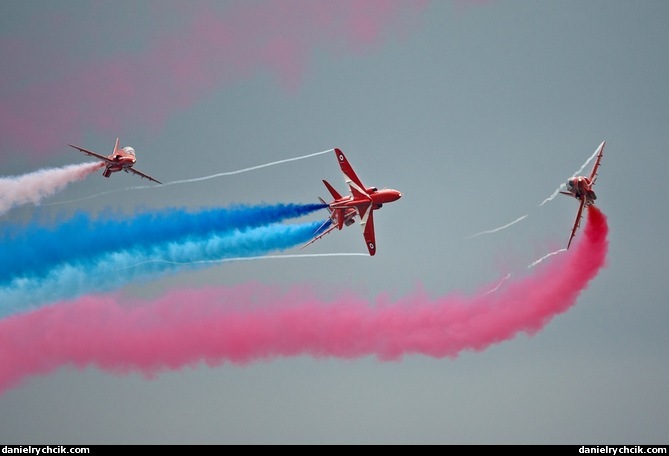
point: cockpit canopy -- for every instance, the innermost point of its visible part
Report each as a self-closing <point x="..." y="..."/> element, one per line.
<point x="129" y="150"/>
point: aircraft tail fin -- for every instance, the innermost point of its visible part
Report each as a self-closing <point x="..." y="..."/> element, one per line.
<point x="335" y="194"/>
<point x="115" y="146"/>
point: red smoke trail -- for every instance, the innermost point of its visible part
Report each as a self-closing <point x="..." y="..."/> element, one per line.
<point x="231" y="324"/>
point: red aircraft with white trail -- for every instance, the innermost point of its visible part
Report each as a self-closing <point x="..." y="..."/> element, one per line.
<point x="121" y="159"/>
<point x="362" y="201"/>
<point x="581" y="188"/>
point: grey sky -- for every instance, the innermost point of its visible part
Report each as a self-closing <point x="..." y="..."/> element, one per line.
<point x="476" y="114"/>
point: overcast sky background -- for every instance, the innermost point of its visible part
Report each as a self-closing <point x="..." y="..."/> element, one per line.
<point x="475" y="110"/>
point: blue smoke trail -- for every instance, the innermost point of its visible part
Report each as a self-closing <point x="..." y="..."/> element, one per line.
<point x="112" y="270"/>
<point x="34" y="251"/>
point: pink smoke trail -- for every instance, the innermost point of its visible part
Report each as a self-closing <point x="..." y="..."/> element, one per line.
<point x="35" y="186"/>
<point x="255" y="322"/>
<point x="209" y="49"/>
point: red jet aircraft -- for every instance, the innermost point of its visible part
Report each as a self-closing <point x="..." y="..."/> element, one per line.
<point x="362" y="201"/>
<point x="580" y="187"/>
<point x="121" y="159"/>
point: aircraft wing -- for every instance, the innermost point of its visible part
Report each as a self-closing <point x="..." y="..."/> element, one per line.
<point x="91" y="153"/>
<point x="577" y="222"/>
<point x="367" y="222"/>
<point x="352" y="179"/>
<point x="593" y="173"/>
<point x="329" y="230"/>
<point x="141" y="174"/>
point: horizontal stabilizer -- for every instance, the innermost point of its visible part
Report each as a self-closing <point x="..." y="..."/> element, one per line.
<point x="335" y="194"/>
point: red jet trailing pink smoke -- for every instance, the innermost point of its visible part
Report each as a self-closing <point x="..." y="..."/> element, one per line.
<point x="232" y="324"/>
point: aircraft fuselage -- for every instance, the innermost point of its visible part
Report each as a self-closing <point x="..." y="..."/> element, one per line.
<point x="581" y="186"/>
<point x="378" y="198"/>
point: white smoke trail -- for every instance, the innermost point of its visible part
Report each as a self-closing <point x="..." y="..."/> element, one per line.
<point x="198" y="179"/>
<point x="252" y="168"/>
<point x="533" y="264"/>
<point x="35" y="186"/>
<point x="248" y="258"/>
<point x="497" y="229"/>
<point x="498" y="285"/>
<point x="577" y="173"/>
<point x="544" y="257"/>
